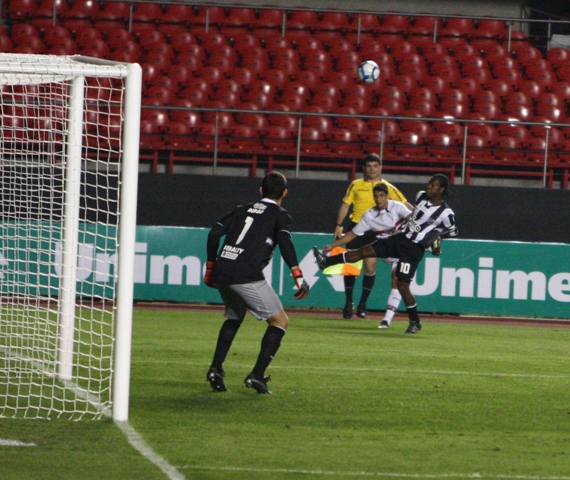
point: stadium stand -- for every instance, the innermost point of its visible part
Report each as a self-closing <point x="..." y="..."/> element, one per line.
<point x="463" y="94"/>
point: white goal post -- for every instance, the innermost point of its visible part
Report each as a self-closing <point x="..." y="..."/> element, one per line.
<point x="69" y="146"/>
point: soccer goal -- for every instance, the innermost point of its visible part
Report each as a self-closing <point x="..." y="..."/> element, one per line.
<point x="69" y="145"/>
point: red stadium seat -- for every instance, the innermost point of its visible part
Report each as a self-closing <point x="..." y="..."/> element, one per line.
<point x="366" y="21"/>
<point x="239" y="17"/>
<point x="484" y="131"/>
<point x="441" y="145"/>
<point x="21" y="9"/>
<point x="115" y="11"/>
<point x="302" y="19"/>
<point x="558" y="56"/>
<point x="508" y="148"/>
<point x="269" y="19"/>
<point x="81" y="13"/>
<point x="462" y="24"/>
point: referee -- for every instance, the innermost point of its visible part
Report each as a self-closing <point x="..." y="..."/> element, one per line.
<point x="252" y="232"/>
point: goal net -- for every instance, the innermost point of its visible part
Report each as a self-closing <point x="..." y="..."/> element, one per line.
<point x="68" y="179"/>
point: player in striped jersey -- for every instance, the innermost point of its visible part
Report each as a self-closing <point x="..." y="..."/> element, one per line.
<point x="432" y="218"/>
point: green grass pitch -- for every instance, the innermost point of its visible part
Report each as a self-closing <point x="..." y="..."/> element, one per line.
<point x="455" y="401"/>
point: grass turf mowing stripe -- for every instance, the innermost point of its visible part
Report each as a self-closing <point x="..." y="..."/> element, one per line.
<point x="377" y="474"/>
<point x="368" y="369"/>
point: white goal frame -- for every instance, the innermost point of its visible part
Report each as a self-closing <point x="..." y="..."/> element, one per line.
<point x="24" y="69"/>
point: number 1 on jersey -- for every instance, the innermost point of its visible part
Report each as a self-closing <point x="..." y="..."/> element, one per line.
<point x="247" y="225"/>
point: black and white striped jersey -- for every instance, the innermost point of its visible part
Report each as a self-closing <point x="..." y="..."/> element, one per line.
<point x="429" y="221"/>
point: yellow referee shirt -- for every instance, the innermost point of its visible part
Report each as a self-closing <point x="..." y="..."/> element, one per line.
<point x="359" y="194"/>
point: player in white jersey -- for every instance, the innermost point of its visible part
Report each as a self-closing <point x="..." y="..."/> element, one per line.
<point x="431" y="218"/>
<point x="383" y="220"/>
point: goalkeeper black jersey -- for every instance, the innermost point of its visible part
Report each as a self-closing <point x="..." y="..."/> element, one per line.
<point x="252" y="232"/>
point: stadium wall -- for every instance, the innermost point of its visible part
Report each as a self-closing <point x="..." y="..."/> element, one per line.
<point x="483" y="213"/>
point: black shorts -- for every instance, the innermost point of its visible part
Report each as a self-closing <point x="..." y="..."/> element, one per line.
<point x="366" y="239"/>
<point x="408" y="253"/>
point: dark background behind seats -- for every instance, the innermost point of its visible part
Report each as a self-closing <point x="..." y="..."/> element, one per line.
<point x="484" y="213"/>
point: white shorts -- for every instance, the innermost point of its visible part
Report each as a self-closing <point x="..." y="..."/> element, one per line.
<point x="390" y="261"/>
<point x="257" y="297"/>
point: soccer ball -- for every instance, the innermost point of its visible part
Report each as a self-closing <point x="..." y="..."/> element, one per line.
<point x="368" y="71"/>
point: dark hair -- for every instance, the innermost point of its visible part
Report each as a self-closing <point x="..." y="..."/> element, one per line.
<point x="380" y="187"/>
<point x="273" y="185"/>
<point x="371" y="157"/>
<point x="443" y="182"/>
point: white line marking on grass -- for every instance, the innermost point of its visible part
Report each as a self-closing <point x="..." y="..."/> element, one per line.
<point x="373" y="369"/>
<point x="375" y="474"/>
<point x="15" y="443"/>
<point x="138" y="443"/>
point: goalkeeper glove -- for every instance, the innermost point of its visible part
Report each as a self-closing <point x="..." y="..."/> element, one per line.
<point x="209" y="277"/>
<point x="301" y="284"/>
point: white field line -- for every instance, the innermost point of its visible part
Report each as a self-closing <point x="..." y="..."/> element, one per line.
<point x="15" y="443"/>
<point x="138" y="443"/>
<point x="376" y="474"/>
<point x="386" y="370"/>
<point x="135" y="440"/>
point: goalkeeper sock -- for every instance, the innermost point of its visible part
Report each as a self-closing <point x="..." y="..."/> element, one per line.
<point x="270" y="343"/>
<point x="225" y="339"/>
<point x="349" y="281"/>
<point x="367" y="284"/>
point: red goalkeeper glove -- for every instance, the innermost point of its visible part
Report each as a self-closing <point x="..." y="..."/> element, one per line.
<point x="302" y="285"/>
<point x="209" y="277"/>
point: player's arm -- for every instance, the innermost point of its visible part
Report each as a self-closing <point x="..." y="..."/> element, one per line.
<point x="342" y="213"/>
<point x="343" y="210"/>
<point x="287" y="249"/>
<point x="450" y="227"/>
<point x="212" y="246"/>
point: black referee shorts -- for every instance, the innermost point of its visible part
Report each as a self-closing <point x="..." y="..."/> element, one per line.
<point x="408" y="253"/>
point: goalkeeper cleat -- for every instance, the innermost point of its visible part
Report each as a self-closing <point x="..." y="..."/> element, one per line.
<point x="361" y="310"/>
<point x="347" y="310"/>
<point x="258" y="384"/>
<point x="436" y="247"/>
<point x="216" y="378"/>
<point x="414" y="327"/>
<point x="384" y="324"/>
<point x="320" y="258"/>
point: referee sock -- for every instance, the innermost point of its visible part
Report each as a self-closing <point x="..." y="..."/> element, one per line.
<point x="225" y="339"/>
<point x="269" y="346"/>
<point x="349" y="281"/>
<point x="413" y="313"/>
<point x="367" y="284"/>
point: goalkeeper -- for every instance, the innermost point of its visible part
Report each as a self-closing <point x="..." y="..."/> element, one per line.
<point x="252" y="231"/>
